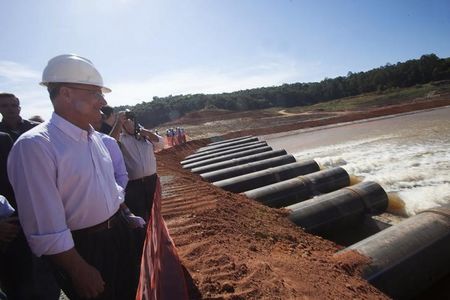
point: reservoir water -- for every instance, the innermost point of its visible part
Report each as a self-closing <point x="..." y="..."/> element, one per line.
<point x="408" y="154"/>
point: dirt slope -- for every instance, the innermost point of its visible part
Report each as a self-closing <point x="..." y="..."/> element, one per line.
<point x="235" y="248"/>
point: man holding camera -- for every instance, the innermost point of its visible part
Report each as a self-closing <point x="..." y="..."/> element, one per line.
<point x="108" y="120"/>
<point x="138" y="146"/>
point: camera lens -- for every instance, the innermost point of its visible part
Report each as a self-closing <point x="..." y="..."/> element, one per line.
<point x="129" y="115"/>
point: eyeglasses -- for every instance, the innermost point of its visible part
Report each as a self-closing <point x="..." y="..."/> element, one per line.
<point x="98" y="95"/>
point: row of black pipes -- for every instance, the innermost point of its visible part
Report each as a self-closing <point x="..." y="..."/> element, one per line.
<point x="406" y="259"/>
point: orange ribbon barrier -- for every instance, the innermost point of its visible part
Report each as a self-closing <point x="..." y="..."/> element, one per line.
<point x="161" y="274"/>
<point x="170" y="141"/>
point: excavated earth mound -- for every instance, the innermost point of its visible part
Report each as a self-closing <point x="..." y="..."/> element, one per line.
<point x="235" y="248"/>
<point x="208" y="123"/>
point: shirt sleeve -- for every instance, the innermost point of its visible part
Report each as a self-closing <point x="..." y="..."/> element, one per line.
<point x="120" y="171"/>
<point x="160" y="144"/>
<point x="32" y="170"/>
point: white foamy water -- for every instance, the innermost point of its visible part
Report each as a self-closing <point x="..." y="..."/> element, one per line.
<point x="409" y="155"/>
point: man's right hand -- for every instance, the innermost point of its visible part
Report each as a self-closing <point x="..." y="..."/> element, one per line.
<point x="121" y="117"/>
<point x="88" y="281"/>
<point x="117" y="128"/>
<point x="8" y="229"/>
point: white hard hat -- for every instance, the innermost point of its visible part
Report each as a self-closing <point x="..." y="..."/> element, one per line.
<point x="72" y="68"/>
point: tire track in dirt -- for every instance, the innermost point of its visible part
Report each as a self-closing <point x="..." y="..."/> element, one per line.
<point x="182" y="200"/>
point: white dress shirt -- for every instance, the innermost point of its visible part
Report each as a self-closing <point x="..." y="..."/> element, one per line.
<point x="139" y="155"/>
<point x="120" y="171"/>
<point x="63" y="180"/>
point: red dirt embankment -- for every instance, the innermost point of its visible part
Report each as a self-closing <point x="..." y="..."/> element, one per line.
<point x="235" y="248"/>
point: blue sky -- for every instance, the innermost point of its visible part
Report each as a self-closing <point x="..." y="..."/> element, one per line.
<point x="147" y="48"/>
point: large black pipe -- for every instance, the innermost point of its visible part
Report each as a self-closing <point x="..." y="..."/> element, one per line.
<point x="238" y="161"/>
<point x="357" y="231"/>
<point x="226" y="157"/>
<point x="257" y="179"/>
<point x="230" y="140"/>
<point x="217" y="154"/>
<point x="238" y="142"/>
<point x="339" y="209"/>
<point x="297" y="189"/>
<point x="220" y="149"/>
<point x="409" y="257"/>
<point x="247" y="168"/>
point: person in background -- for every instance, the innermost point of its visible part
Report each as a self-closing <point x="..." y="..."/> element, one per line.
<point x="168" y="137"/>
<point x="183" y="136"/>
<point x="69" y="203"/>
<point x="8" y="230"/>
<point x="120" y="174"/>
<point x="109" y="119"/>
<point x="12" y="123"/>
<point x="8" y="223"/>
<point x="112" y="122"/>
<point x="23" y="275"/>
<point x="5" y="146"/>
<point x="120" y="171"/>
<point x="177" y="136"/>
<point x="172" y="134"/>
<point x="138" y="146"/>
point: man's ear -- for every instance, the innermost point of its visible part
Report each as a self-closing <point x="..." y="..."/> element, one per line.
<point x="64" y="94"/>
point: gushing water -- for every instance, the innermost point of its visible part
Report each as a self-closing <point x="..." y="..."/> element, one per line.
<point x="410" y="158"/>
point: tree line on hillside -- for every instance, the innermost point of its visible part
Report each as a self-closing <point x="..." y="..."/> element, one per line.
<point x="417" y="71"/>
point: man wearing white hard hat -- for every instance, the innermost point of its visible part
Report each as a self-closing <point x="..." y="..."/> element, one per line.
<point x="68" y="201"/>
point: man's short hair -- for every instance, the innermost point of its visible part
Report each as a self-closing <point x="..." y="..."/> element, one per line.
<point x="107" y="110"/>
<point x="8" y="95"/>
<point x="53" y="90"/>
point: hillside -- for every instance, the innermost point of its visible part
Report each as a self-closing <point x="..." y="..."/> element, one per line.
<point x="207" y="123"/>
<point x="419" y="77"/>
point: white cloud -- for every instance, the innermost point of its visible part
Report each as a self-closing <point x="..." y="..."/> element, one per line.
<point x="15" y="72"/>
<point x="22" y="81"/>
<point x="202" y="80"/>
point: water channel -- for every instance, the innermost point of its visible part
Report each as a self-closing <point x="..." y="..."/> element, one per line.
<point x="408" y="154"/>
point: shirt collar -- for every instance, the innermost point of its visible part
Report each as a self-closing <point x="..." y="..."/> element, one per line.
<point x="75" y="132"/>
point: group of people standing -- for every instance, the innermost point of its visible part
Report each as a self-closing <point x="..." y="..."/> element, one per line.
<point x="82" y="197"/>
<point x="175" y="136"/>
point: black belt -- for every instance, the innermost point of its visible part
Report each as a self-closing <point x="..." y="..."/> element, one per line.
<point x="113" y="221"/>
<point x="143" y="179"/>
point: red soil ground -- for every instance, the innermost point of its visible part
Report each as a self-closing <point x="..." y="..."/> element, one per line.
<point x="235" y="248"/>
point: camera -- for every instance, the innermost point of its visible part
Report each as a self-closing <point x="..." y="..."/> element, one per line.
<point x="129" y="114"/>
